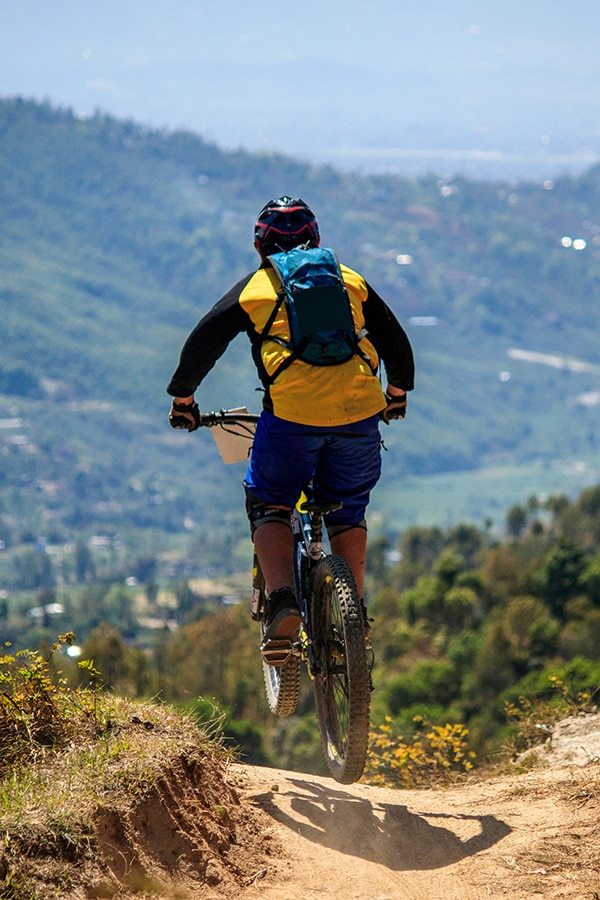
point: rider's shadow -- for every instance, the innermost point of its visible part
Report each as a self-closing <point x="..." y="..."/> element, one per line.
<point x="387" y="834"/>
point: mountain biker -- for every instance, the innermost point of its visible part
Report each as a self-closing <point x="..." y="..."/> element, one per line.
<point x="318" y="422"/>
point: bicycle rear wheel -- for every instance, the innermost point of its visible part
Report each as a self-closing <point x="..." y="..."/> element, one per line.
<point x="282" y="683"/>
<point x="282" y="686"/>
<point x="342" y="685"/>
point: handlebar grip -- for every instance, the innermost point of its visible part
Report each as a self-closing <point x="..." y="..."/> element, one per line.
<point x="229" y="416"/>
<point x="208" y="419"/>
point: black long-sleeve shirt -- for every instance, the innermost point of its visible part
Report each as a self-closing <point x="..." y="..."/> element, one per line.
<point x="245" y="308"/>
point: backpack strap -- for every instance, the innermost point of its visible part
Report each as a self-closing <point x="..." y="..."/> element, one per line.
<point x="266" y="336"/>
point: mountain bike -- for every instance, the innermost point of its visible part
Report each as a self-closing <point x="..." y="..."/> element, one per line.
<point x="331" y="641"/>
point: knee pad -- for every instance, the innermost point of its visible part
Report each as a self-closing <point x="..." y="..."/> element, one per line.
<point x="334" y="529"/>
<point x="259" y="513"/>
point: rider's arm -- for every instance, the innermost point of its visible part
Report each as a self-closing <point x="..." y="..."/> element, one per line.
<point x="207" y="343"/>
<point x="391" y="342"/>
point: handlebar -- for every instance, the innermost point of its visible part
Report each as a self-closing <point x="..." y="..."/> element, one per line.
<point x="228" y="417"/>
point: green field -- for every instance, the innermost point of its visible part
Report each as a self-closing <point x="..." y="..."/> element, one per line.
<point x="473" y="497"/>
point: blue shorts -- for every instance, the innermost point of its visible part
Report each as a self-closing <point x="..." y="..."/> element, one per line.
<point x="344" y="464"/>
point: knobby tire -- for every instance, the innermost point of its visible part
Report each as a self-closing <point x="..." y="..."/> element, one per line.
<point x="342" y="686"/>
<point x="282" y="686"/>
<point x="282" y="683"/>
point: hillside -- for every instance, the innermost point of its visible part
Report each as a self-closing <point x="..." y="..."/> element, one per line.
<point x="114" y="240"/>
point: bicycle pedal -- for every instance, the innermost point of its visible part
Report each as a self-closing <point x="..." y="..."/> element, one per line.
<point x="276" y="653"/>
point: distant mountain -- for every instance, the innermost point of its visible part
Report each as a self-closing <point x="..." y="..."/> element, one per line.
<point x="114" y="239"/>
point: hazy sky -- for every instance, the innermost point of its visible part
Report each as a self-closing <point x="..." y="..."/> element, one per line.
<point x="389" y="83"/>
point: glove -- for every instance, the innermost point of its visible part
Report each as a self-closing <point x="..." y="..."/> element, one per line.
<point x="395" y="409"/>
<point x="184" y="416"/>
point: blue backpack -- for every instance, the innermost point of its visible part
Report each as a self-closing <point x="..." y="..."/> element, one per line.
<point x="322" y="331"/>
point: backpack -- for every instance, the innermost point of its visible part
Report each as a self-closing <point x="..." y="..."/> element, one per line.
<point x="322" y="331"/>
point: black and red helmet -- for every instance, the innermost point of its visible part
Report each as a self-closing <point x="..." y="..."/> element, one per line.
<point x="283" y="224"/>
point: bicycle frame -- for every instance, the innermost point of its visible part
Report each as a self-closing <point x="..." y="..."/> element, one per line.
<point x="307" y="528"/>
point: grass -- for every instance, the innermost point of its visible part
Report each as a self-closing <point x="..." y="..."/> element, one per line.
<point x="73" y="757"/>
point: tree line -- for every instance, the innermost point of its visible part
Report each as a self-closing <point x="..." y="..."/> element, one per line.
<point x="465" y="624"/>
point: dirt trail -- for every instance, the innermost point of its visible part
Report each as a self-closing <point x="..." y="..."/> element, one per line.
<point x="206" y="830"/>
<point x="525" y="836"/>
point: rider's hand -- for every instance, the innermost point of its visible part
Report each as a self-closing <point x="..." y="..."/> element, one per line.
<point x="396" y="406"/>
<point x="184" y="415"/>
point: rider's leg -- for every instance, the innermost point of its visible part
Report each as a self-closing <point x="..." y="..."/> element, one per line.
<point x="352" y="545"/>
<point x="349" y="468"/>
<point x="281" y="464"/>
<point x="350" y="541"/>
<point x="274" y="547"/>
<point x="273" y="543"/>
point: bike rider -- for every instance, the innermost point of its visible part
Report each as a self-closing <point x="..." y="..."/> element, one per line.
<point x="317" y="422"/>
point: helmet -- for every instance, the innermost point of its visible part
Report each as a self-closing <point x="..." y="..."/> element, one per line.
<point x="283" y="224"/>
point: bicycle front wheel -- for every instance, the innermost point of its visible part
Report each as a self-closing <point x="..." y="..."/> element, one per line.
<point x="342" y="685"/>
